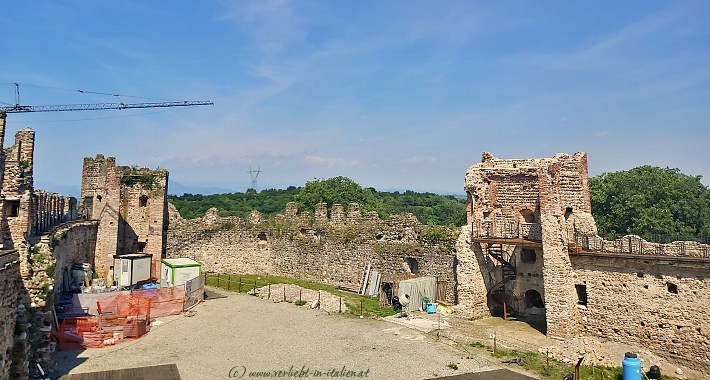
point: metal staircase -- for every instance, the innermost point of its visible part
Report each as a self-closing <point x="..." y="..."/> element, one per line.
<point x="495" y="250"/>
<point x="497" y="293"/>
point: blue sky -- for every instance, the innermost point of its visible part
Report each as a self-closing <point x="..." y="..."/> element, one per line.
<point x="395" y="94"/>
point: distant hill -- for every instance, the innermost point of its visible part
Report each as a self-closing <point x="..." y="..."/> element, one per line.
<point x="177" y="188"/>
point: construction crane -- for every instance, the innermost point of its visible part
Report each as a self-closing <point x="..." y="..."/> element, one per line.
<point x="18" y="108"/>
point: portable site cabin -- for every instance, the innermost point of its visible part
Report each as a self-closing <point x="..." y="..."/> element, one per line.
<point x="132" y="268"/>
<point x="178" y="271"/>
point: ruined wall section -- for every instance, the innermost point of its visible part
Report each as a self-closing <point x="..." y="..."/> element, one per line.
<point x="574" y="182"/>
<point x="659" y="304"/>
<point x="51" y="209"/>
<point x="473" y="274"/>
<point x="17" y="192"/>
<point x="335" y="251"/>
<point x="69" y="243"/>
<point x="10" y="287"/>
<point x="18" y="163"/>
<point x="223" y="245"/>
<point x="556" y="271"/>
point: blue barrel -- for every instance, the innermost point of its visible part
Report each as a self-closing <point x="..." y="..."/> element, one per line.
<point x="431" y="308"/>
<point x="631" y="367"/>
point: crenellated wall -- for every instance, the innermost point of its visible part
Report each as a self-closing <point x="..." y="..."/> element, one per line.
<point x="335" y="251"/>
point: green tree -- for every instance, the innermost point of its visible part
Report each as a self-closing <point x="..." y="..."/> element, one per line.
<point x="340" y="190"/>
<point x="651" y="202"/>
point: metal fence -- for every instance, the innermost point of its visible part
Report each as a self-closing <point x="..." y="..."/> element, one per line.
<point x="633" y="244"/>
<point x="488" y="229"/>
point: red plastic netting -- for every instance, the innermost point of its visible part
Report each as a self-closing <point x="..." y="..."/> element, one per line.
<point x="121" y="316"/>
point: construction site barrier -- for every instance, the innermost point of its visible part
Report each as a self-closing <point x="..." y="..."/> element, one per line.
<point x="125" y="316"/>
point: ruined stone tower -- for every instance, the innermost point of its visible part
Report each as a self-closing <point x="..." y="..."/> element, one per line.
<point x="531" y="249"/>
<point x="131" y="206"/>
<point x="514" y="251"/>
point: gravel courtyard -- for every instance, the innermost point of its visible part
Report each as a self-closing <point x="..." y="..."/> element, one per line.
<point x="241" y="335"/>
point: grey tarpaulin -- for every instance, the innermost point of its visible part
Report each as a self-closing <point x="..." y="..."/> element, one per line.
<point x="418" y="288"/>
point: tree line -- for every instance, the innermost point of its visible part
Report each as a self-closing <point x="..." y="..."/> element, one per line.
<point x="653" y="202"/>
<point x="429" y="208"/>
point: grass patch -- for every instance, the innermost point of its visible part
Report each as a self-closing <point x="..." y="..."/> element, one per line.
<point x="244" y="283"/>
<point x="299" y="302"/>
<point x="453" y="366"/>
<point x="538" y="363"/>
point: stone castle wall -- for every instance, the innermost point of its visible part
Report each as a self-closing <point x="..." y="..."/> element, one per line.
<point x="659" y="304"/>
<point x="335" y="251"/>
<point x="25" y="215"/>
<point x="10" y="288"/>
<point x="73" y="242"/>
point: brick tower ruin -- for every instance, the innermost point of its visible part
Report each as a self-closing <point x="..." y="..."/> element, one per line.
<point x="518" y="212"/>
<point x="130" y="204"/>
<point x="531" y="249"/>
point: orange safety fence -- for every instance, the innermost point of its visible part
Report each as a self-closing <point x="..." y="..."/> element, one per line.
<point x="121" y="316"/>
<point x="164" y="301"/>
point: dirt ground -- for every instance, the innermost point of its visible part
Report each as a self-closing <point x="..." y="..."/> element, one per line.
<point x="519" y="335"/>
<point x="241" y="333"/>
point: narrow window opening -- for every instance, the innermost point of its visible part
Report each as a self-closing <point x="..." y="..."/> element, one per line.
<point x="528" y="215"/>
<point x="262" y="236"/>
<point x="99" y="198"/>
<point x="13" y="208"/>
<point x="140" y="246"/>
<point x="143" y="201"/>
<point x="412" y="265"/>
<point x="568" y="213"/>
<point x="528" y="256"/>
<point x="581" y="294"/>
<point x="672" y="288"/>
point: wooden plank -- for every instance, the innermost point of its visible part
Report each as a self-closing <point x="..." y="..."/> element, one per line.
<point x="517" y="241"/>
<point x="157" y="372"/>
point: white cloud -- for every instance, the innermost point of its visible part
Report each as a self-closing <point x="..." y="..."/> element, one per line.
<point x="330" y="161"/>
<point x="420" y="160"/>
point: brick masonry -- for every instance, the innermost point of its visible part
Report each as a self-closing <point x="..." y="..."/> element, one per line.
<point x="646" y="293"/>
